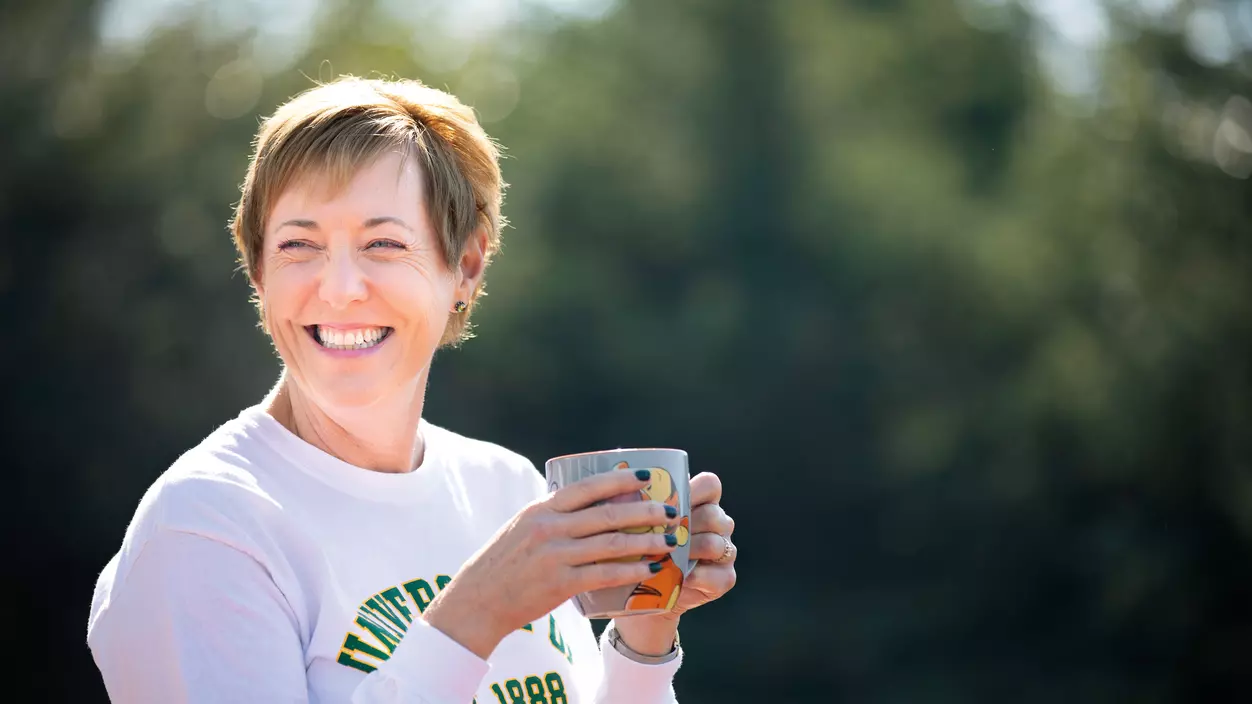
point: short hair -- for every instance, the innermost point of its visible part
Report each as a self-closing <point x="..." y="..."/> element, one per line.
<point x="334" y="129"/>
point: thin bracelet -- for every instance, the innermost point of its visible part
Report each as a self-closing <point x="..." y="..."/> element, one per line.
<point x="615" y="639"/>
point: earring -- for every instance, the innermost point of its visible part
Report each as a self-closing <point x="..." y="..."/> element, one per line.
<point x="459" y="307"/>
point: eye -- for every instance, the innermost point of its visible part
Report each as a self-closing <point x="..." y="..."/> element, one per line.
<point x="385" y="244"/>
<point x="292" y="244"/>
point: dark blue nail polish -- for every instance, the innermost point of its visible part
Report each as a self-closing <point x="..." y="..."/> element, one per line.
<point x="655" y="567"/>
<point x="670" y="511"/>
<point x="643" y="474"/>
<point x="671" y="540"/>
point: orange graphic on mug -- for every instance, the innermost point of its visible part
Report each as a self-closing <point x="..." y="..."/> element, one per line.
<point x="661" y="590"/>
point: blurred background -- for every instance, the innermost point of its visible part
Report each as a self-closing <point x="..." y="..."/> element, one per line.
<point x="955" y="296"/>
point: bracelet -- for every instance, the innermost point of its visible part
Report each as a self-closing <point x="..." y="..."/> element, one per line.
<point x="615" y="639"/>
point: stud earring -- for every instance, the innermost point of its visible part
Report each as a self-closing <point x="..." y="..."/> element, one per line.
<point x="459" y="307"/>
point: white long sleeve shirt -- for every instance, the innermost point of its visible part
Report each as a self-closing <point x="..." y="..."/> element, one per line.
<point x="260" y="569"/>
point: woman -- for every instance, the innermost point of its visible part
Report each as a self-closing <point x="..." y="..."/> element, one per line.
<point x="331" y="545"/>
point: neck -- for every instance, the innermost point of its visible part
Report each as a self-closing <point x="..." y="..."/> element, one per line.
<point x="382" y="437"/>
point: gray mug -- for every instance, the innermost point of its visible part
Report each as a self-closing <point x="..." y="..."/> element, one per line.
<point x="670" y="483"/>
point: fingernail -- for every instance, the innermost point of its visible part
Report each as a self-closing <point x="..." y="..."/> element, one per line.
<point x="643" y="474"/>
<point x="671" y="540"/>
<point x="655" y="567"/>
<point x="670" y="511"/>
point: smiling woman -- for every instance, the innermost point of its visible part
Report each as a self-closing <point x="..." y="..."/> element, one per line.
<point x="354" y="297"/>
<point x="292" y="556"/>
<point x="328" y="143"/>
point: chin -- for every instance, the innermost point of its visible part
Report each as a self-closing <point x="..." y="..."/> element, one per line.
<point x="356" y="384"/>
<point x="352" y="391"/>
<point x="350" y="398"/>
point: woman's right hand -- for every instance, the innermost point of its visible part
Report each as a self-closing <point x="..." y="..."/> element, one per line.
<point x="552" y="549"/>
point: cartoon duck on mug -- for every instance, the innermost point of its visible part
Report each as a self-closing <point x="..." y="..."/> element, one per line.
<point x="661" y="590"/>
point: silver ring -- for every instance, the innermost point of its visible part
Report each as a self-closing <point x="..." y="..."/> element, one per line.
<point x="728" y="552"/>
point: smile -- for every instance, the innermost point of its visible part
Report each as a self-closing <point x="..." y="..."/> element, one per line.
<point x="348" y="339"/>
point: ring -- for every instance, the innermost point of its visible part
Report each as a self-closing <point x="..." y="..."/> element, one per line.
<point x="728" y="552"/>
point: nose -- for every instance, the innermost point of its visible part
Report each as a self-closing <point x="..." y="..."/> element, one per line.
<point x="343" y="282"/>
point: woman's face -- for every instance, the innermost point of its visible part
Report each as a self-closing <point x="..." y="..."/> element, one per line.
<point x="355" y="288"/>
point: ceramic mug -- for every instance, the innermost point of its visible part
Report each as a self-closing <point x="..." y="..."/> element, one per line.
<point x="670" y="484"/>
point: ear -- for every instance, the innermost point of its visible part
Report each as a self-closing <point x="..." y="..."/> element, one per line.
<point x="258" y="298"/>
<point x="253" y="271"/>
<point x="469" y="271"/>
<point x="258" y="286"/>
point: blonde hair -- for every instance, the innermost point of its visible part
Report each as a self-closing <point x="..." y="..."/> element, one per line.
<point x="336" y="128"/>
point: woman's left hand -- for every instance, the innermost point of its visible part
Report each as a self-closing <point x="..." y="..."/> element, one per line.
<point x="712" y="576"/>
<point x="711" y="528"/>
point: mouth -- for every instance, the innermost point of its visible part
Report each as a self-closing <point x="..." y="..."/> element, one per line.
<point x="361" y="338"/>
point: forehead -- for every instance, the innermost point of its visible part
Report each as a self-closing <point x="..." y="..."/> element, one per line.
<point x="390" y="184"/>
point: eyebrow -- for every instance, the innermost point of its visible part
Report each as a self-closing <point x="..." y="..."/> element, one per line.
<point x="385" y="219"/>
<point x="371" y="223"/>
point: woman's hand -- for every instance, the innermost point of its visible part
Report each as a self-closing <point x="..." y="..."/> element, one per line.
<point x="548" y="553"/>
<point x="713" y="575"/>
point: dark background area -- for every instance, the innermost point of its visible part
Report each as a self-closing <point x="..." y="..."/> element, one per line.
<point x="955" y="297"/>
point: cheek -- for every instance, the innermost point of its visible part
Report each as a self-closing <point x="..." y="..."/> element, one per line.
<point x="422" y="292"/>
<point x="287" y="286"/>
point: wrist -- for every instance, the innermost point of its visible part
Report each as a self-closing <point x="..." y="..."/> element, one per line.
<point x="648" y="635"/>
<point x="473" y="628"/>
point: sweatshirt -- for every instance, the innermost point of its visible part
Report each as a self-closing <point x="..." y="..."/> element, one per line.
<point x="259" y="568"/>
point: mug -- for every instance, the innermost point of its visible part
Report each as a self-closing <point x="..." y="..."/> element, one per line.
<point x="670" y="484"/>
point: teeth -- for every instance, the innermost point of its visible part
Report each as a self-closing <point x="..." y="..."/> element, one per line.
<point x="362" y="338"/>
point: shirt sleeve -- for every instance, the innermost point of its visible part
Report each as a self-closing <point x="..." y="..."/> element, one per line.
<point x="628" y="682"/>
<point x="197" y="621"/>
<point x="428" y="667"/>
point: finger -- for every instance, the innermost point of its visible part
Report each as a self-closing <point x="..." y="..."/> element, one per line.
<point x="619" y="546"/>
<point x="643" y="516"/>
<point x="711" y="518"/>
<point x="603" y="486"/>
<point x="706" y="488"/>
<point x="711" y="580"/>
<point x="611" y="574"/>
<point x="709" y="547"/>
